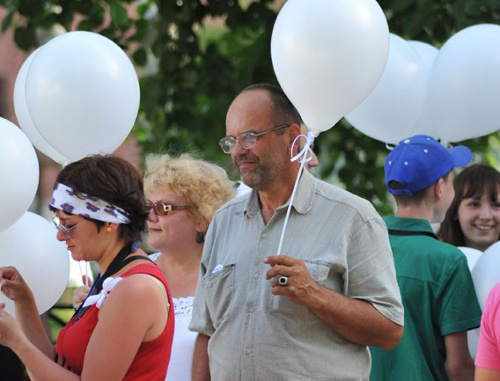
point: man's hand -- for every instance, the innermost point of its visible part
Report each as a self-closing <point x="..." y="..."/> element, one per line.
<point x="296" y="282"/>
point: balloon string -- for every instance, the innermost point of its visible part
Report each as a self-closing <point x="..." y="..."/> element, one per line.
<point x="303" y="157"/>
<point x="84" y="272"/>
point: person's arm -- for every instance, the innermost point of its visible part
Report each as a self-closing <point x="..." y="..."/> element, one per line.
<point x="201" y="369"/>
<point x="459" y="363"/>
<point x="135" y="311"/>
<point x="356" y="320"/>
<point x="12" y="336"/>
<point x="483" y="374"/>
<point x="15" y="288"/>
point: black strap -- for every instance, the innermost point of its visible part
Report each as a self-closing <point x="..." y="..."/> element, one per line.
<point x="134" y="258"/>
<point x="411" y="233"/>
<point x="118" y="263"/>
<point x="113" y="268"/>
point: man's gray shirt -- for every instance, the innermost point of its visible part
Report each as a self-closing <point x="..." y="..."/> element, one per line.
<point x="255" y="335"/>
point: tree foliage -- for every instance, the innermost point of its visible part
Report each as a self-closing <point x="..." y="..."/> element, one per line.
<point x="194" y="56"/>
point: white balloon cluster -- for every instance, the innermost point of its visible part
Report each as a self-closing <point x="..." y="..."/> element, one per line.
<point x="450" y="94"/>
<point x="76" y="95"/>
<point x="484" y="269"/>
<point x="27" y="241"/>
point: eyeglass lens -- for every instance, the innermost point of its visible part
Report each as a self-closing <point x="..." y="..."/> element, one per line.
<point x="247" y="140"/>
<point x="56" y="221"/>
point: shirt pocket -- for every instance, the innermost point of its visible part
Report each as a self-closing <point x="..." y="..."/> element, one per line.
<point x="282" y="306"/>
<point x="219" y="293"/>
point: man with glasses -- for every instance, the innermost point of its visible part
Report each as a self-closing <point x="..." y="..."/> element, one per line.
<point x="311" y="165"/>
<point x="311" y="312"/>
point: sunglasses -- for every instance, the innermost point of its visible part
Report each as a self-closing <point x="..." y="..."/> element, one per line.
<point x="162" y="209"/>
<point x="56" y="221"/>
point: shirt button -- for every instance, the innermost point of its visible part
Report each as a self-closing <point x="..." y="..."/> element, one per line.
<point x="263" y="236"/>
<point x="251" y="309"/>
<point x="248" y="352"/>
<point x="256" y="276"/>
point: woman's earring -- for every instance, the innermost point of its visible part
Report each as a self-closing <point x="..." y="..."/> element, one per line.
<point x="200" y="237"/>
<point x="109" y="229"/>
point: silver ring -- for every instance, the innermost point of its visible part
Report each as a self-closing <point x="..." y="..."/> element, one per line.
<point x="282" y="280"/>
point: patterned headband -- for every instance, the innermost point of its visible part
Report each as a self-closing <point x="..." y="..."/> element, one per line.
<point x="63" y="198"/>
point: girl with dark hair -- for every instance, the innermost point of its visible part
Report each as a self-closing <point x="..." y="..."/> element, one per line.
<point x="473" y="218"/>
<point x="124" y="328"/>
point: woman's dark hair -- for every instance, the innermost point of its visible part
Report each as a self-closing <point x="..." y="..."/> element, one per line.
<point x="113" y="180"/>
<point x="472" y="182"/>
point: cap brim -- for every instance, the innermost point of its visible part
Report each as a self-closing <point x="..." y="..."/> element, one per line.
<point x="461" y="156"/>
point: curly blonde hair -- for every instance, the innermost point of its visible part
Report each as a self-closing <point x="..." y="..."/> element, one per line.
<point x="205" y="185"/>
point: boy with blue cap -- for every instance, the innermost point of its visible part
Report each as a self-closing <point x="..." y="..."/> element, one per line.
<point x="435" y="282"/>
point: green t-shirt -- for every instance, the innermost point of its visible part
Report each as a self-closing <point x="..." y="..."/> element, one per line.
<point x="438" y="297"/>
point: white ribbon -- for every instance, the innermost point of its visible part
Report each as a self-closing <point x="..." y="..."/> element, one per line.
<point x="306" y="153"/>
<point x="303" y="157"/>
<point x="99" y="299"/>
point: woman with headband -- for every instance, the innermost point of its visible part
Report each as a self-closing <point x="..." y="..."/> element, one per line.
<point x="184" y="193"/>
<point x="124" y="329"/>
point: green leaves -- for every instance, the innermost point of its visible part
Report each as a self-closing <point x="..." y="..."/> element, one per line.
<point x="118" y="13"/>
<point x="25" y="38"/>
<point x="7" y="21"/>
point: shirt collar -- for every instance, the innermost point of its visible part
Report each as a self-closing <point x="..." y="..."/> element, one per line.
<point x="408" y="224"/>
<point x="302" y="202"/>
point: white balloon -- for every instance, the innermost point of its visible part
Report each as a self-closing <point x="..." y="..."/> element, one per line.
<point x="485" y="273"/>
<point x="473" y="341"/>
<point x="24" y="117"/>
<point x="426" y="52"/>
<point x="82" y="93"/>
<point x="328" y="56"/>
<point x="472" y="255"/>
<point x="19" y="172"/>
<point x="393" y="108"/>
<point x="464" y="85"/>
<point x="31" y="246"/>
<point x="76" y="270"/>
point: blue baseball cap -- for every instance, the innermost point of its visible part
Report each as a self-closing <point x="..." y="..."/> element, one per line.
<point x="419" y="161"/>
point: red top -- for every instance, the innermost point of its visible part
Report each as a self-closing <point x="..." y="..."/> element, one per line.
<point x="152" y="358"/>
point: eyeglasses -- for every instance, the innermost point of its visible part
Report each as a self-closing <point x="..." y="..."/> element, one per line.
<point x="162" y="209"/>
<point x="56" y="221"/>
<point x="247" y="139"/>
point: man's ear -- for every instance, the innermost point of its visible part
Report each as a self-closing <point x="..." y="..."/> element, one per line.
<point x="438" y="189"/>
<point x="293" y="132"/>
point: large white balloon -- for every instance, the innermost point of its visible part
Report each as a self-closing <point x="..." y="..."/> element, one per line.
<point x="485" y="273"/>
<point x="473" y="341"/>
<point x="393" y="108"/>
<point x="328" y="56"/>
<point x="426" y="52"/>
<point x="82" y="93"/>
<point x="464" y="85"/>
<point x="24" y="117"/>
<point x="19" y="172"/>
<point x="472" y="255"/>
<point x="31" y="246"/>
